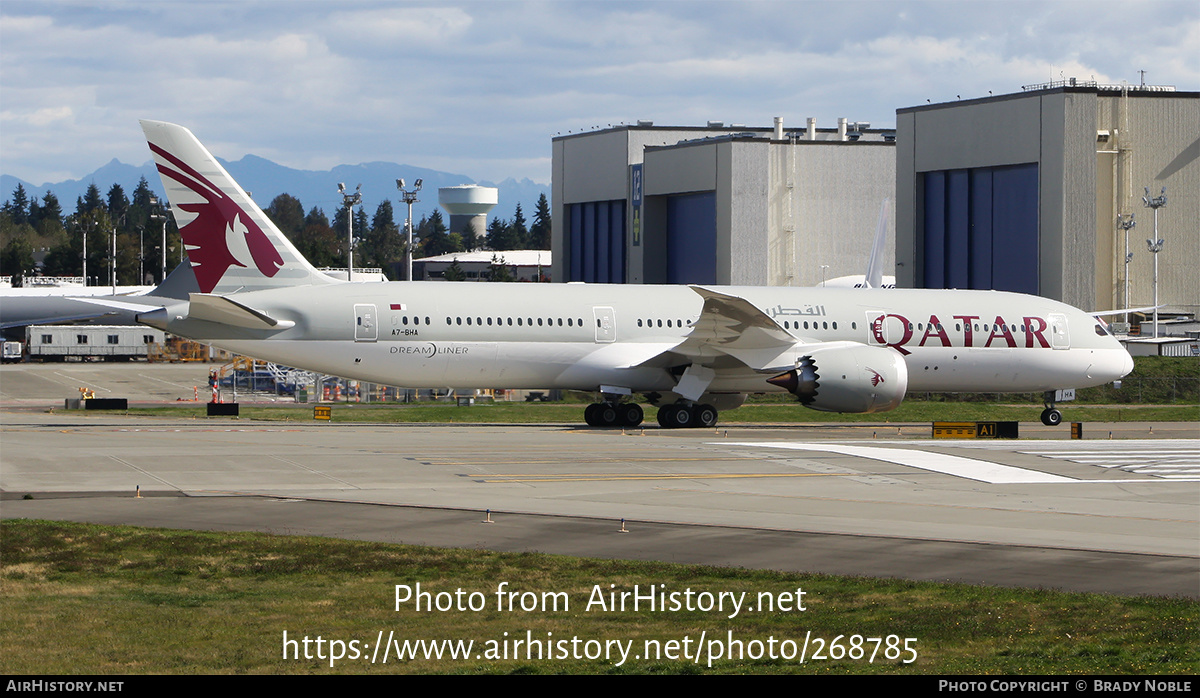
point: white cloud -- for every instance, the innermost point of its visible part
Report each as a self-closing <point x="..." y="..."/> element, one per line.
<point x="482" y="86"/>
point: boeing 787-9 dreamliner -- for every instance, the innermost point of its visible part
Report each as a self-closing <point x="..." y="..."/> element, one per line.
<point x="691" y="350"/>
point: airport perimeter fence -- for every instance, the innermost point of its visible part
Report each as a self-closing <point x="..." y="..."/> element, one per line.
<point x="1156" y="390"/>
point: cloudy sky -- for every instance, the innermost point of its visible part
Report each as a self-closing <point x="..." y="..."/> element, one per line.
<point x="479" y="88"/>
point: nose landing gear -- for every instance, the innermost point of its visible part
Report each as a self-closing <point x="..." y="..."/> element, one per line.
<point x="1051" y="417"/>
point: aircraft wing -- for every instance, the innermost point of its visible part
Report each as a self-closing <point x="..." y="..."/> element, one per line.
<point x="110" y="302"/>
<point x="733" y="326"/>
<point x="53" y="319"/>
<point x="1102" y="313"/>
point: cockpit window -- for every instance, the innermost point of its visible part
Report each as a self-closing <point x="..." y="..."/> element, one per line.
<point x="1101" y="330"/>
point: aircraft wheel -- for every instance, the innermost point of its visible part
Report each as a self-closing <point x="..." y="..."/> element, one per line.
<point x="1051" y="417"/>
<point x="606" y="415"/>
<point x="589" y="414"/>
<point x="675" y="416"/>
<point x="631" y="414"/>
<point x="704" y="416"/>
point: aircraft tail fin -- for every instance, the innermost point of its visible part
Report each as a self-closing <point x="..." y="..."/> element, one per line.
<point x="230" y="243"/>
<point x="874" y="277"/>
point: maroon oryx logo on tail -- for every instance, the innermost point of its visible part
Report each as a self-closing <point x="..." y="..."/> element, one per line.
<point x="219" y="225"/>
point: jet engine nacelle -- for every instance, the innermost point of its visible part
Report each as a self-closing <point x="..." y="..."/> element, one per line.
<point x="847" y="378"/>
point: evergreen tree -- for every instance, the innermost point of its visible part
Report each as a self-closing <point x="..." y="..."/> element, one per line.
<point x="539" y="232"/>
<point x="18" y="207"/>
<point x="118" y="203"/>
<point x="470" y="241"/>
<point x="520" y="233"/>
<point x="35" y="213"/>
<point x="500" y="235"/>
<point x="51" y="215"/>
<point x="90" y="201"/>
<point x="318" y="243"/>
<point x="454" y="272"/>
<point x="500" y="271"/>
<point x="362" y="227"/>
<point x="142" y="194"/>
<point x="286" y="212"/>
<point x="16" y="259"/>
<point x="434" y="240"/>
<point x="383" y="244"/>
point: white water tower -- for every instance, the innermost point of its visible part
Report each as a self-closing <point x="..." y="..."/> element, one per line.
<point x="468" y="204"/>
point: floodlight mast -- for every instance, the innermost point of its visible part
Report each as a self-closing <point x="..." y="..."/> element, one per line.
<point x="350" y="201"/>
<point x="1126" y="225"/>
<point x="410" y="198"/>
<point x="1155" y="246"/>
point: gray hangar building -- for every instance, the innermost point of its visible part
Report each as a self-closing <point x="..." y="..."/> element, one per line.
<point x="719" y="204"/>
<point x="1022" y="192"/>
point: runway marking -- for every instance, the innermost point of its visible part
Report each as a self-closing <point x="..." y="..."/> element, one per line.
<point x="968" y="468"/>
<point x="76" y="379"/>
<point x="559" y="461"/>
<point x="1168" y="459"/>
<point x="640" y="476"/>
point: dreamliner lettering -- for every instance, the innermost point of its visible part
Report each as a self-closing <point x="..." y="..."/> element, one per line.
<point x="429" y="350"/>
<point x="1000" y="333"/>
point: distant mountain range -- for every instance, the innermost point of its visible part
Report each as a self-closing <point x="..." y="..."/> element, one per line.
<point x="265" y="180"/>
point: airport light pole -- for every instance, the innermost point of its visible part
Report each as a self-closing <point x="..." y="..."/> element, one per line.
<point x="1155" y="246"/>
<point x="410" y="198"/>
<point x="141" y="255"/>
<point x="1126" y="225"/>
<point x="823" y="268"/>
<point x="350" y="201"/>
<point x="112" y="262"/>
<point x="158" y="214"/>
<point x="85" y="229"/>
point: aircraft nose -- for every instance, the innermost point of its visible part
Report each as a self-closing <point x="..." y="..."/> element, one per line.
<point x="1126" y="363"/>
<point x="1116" y="364"/>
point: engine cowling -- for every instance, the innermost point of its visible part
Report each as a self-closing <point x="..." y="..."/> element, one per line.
<point x="847" y="378"/>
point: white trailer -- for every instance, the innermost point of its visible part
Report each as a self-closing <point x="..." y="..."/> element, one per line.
<point x="95" y="342"/>
<point x="10" y="351"/>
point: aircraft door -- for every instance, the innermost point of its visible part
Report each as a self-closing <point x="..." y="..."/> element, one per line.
<point x="1060" y="338"/>
<point x="606" y="324"/>
<point x="885" y="329"/>
<point x="366" y="328"/>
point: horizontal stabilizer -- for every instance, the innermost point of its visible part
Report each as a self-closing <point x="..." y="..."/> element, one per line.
<point x="226" y="311"/>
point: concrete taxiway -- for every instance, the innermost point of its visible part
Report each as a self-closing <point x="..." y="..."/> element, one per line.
<point x="1120" y="516"/>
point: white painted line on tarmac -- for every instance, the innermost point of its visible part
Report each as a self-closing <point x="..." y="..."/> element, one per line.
<point x="967" y="468"/>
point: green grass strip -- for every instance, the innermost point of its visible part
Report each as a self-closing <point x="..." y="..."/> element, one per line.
<point x="88" y="599"/>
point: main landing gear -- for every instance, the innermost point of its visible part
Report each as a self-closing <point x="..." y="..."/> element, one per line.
<point x="682" y="416"/>
<point x="613" y="414"/>
<point x="629" y="414"/>
<point x="1051" y="417"/>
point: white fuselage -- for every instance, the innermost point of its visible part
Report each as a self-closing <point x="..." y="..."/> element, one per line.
<point x="583" y="336"/>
